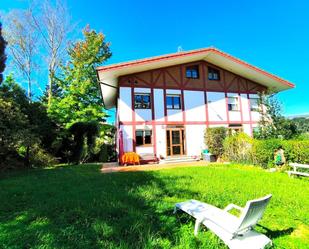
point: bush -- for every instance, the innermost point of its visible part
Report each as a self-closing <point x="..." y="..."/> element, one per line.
<point x="263" y="152"/>
<point x="40" y="158"/>
<point x="214" y="138"/>
<point x="296" y="151"/>
<point x="241" y="148"/>
<point x="238" y="148"/>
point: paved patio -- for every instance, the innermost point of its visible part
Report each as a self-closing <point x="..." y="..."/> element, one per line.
<point x="111" y="167"/>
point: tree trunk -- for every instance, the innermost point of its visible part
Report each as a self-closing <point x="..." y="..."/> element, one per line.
<point x="27" y="157"/>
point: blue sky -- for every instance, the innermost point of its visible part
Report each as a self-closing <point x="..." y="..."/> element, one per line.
<point x="273" y="35"/>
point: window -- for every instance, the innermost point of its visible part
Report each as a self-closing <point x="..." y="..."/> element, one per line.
<point x="254" y="104"/>
<point x="233" y="104"/>
<point x="234" y="129"/>
<point x="173" y="102"/>
<point x="213" y="74"/>
<point x="142" y="101"/>
<point x="192" y="72"/>
<point x="143" y="137"/>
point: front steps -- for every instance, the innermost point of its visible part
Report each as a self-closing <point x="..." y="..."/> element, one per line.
<point x="179" y="159"/>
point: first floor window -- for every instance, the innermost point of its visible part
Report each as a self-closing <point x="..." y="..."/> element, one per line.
<point x="254" y="104"/>
<point x="173" y="102"/>
<point x="192" y="72"/>
<point x="142" y="101"/>
<point x="233" y="104"/>
<point x="213" y="74"/>
<point x="143" y="137"/>
<point x="234" y="129"/>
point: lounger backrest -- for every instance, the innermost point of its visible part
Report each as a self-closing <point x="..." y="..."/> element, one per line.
<point x="252" y="213"/>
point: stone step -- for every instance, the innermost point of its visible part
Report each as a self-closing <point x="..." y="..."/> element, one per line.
<point x="179" y="159"/>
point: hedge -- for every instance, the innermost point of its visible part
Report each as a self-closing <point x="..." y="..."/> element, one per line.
<point x="243" y="149"/>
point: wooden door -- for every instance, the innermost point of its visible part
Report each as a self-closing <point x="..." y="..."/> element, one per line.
<point x="175" y="141"/>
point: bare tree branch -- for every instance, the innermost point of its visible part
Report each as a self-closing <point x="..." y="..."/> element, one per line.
<point x="22" y="38"/>
<point x="54" y="25"/>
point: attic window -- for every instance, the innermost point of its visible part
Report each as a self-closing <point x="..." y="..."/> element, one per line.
<point x="213" y="74"/>
<point x="192" y="72"/>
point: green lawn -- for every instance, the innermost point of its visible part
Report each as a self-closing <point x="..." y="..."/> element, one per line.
<point x="78" y="207"/>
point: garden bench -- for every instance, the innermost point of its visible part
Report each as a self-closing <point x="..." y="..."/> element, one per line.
<point x="236" y="232"/>
<point x="296" y="167"/>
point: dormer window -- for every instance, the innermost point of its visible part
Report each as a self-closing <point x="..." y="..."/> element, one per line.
<point x="213" y="74"/>
<point x="192" y="72"/>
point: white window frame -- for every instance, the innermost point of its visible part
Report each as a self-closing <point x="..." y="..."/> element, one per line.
<point x="256" y="106"/>
<point x="233" y="103"/>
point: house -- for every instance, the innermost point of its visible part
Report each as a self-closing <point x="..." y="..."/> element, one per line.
<point x="164" y="103"/>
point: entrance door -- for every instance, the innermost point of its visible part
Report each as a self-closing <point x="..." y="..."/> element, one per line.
<point x="175" y="139"/>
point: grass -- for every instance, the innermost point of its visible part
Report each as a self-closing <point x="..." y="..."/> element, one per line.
<point x="79" y="207"/>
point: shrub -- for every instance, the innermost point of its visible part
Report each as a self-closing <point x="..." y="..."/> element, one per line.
<point x="263" y="152"/>
<point x="40" y="158"/>
<point x="238" y="148"/>
<point x="214" y="138"/>
<point x="85" y="134"/>
<point x="241" y="148"/>
<point x="296" y="151"/>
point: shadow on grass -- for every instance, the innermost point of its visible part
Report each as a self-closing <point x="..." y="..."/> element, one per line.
<point x="78" y="207"/>
<point x="273" y="234"/>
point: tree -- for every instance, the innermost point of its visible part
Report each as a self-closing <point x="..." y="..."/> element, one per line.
<point x="26" y="132"/>
<point x="79" y="99"/>
<point x="53" y="24"/>
<point x="3" y="56"/>
<point x="22" y="37"/>
<point x="302" y="124"/>
<point x="272" y="123"/>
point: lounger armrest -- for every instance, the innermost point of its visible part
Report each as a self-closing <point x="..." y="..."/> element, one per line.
<point x="231" y="206"/>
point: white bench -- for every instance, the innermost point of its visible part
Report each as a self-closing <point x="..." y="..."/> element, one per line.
<point x="298" y="166"/>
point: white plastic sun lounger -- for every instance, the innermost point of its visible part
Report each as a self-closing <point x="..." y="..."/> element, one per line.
<point x="236" y="232"/>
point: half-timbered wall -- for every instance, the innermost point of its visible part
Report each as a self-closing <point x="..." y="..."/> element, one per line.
<point x="204" y="104"/>
<point x="174" y="78"/>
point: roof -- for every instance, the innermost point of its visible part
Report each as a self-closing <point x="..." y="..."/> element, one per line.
<point x="109" y="74"/>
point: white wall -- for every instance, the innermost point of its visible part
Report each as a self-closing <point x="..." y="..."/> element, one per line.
<point x="144" y="150"/>
<point x="124" y="104"/>
<point x="195" y="111"/>
<point x="127" y="133"/>
<point x="161" y="140"/>
<point x="247" y="129"/>
<point x="159" y="104"/>
<point x="195" y="105"/>
<point x="245" y="107"/>
<point x="195" y="139"/>
<point x="216" y="106"/>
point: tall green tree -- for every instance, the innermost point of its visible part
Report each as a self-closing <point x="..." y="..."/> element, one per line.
<point x="3" y="57"/>
<point x="79" y="97"/>
<point x="272" y="123"/>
